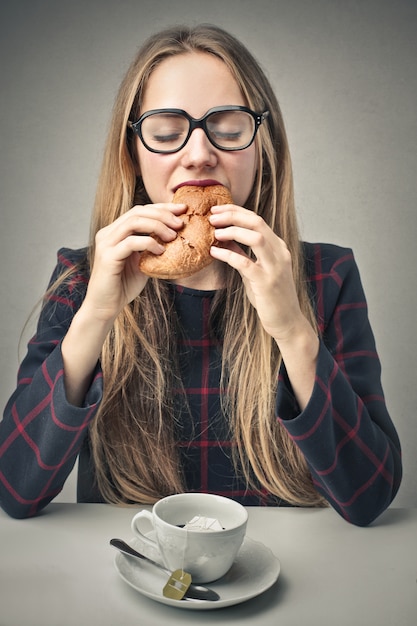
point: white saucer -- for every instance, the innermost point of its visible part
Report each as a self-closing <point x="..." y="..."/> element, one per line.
<point x="253" y="572"/>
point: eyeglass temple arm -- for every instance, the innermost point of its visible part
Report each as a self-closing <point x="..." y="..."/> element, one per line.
<point x="263" y="117"/>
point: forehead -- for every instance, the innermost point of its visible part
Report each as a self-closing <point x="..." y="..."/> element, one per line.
<point x="193" y="81"/>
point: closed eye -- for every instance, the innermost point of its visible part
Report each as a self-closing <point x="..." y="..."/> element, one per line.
<point x="166" y="138"/>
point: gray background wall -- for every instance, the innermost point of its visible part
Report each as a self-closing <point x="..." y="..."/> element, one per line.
<point x="345" y="74"/>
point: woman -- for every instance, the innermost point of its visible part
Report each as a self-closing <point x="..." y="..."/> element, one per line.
<point x="256" y="377"/>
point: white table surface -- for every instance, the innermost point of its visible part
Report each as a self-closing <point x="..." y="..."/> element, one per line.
<point x="58" y="569"/>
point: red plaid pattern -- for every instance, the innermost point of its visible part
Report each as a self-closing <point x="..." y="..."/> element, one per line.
<point x="345" y="432"/>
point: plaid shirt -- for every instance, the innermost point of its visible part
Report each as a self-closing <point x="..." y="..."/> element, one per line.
<point x="345" y="432"/>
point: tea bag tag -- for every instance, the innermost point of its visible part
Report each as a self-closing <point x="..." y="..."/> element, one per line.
<point x="177" y="585"/>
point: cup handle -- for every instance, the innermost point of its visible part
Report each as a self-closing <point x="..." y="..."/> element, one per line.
<point x="135" y="528"/>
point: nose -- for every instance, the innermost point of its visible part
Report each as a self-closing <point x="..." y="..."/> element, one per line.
<point x="198" y="151"/>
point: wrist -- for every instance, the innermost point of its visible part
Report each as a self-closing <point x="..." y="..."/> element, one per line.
<point x="95" y="321"/>
<point x="81" y="349"/>
<point x="299" y="351"/>
<point x="301" y="336"/>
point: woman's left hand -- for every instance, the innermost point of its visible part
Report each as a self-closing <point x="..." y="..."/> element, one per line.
<point x="268" y="278"/>
<point x="269" y="283"/>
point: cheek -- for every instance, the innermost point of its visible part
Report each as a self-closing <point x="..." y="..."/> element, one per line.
<point x="151" y="169"/>
<point x="144" y="158"/>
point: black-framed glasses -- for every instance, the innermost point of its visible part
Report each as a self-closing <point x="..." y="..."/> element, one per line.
<point x="227" y="128"/>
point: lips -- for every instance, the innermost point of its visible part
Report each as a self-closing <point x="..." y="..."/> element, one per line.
<point x="206" y="182"/>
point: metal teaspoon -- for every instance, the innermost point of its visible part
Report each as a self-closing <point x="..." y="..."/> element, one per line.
<point x="194" y="592"/>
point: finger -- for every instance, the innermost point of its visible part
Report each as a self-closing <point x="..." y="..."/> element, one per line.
<point x="140" y="244"/>
<point x="173" y="207"/>
<point x="137" y="225"/>
<point x="137" y="218"/>
<point x="168" y="214"/>
<point x="162" y="207"/>
<point x="233" y="255"/>
<point x="230" y="213"/>
<point x="239" y="217"/>
<point x="221" y="208"/>
<point x="115" y="257"/>
<point x="244" y="236"/>
<point x="250" y="230"/>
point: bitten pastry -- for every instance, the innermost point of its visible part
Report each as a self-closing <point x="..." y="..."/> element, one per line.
<point x="189" y="252"/>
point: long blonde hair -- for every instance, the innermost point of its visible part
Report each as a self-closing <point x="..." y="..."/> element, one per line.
<point x="133" y="435"/>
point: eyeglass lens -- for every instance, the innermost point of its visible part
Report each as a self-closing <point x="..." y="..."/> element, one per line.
<point x="231" y="130"/>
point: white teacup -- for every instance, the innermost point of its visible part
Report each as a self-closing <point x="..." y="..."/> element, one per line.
<point x="205" y="554"/>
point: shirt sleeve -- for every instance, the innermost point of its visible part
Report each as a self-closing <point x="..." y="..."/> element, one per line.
<point x="345" y="432"/>
<point x="41" y="433"/>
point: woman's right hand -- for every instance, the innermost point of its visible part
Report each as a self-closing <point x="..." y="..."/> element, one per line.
<point x="115" y="281"/>
<point x="115" y="278"/>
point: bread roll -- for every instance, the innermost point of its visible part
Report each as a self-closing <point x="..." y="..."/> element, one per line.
<point x="189" y="252"/>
